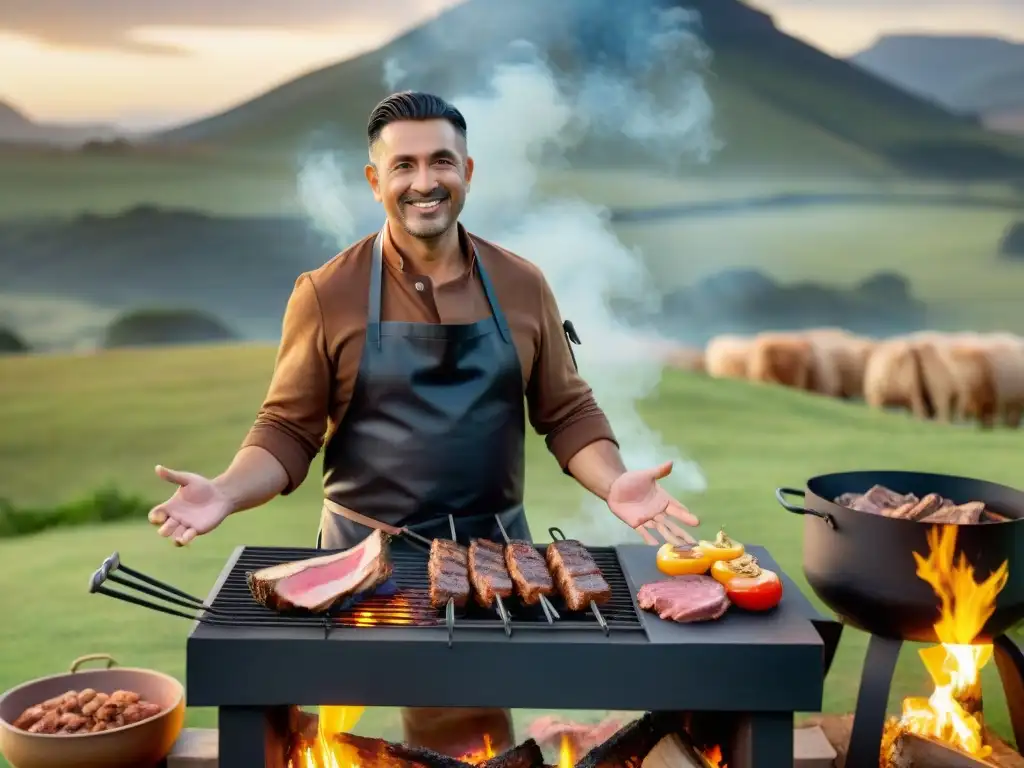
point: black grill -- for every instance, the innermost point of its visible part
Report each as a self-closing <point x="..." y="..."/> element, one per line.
<point x="402" y="601"/>
<point x="410" y="604"/>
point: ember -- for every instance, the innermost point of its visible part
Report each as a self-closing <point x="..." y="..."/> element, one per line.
<point x="955" y="665"/>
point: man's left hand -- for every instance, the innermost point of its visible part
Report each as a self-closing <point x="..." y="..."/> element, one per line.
<point x="640" y="502"/>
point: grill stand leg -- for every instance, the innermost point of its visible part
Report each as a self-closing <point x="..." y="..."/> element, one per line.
<point x="872" y="699"/>
<point x="252" y="737"/>
<point x="1010" y="661"/>
<point x="762" y="739"/>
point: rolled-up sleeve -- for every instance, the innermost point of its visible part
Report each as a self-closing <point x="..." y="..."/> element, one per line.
<point x="561" y="404"/>
<point x="292" y="421"/>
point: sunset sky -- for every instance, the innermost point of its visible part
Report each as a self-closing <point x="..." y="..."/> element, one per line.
<point x="143" y="63"/>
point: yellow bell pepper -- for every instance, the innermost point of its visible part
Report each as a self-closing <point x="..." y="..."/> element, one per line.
<point x="682" y="560"/>
<point x="745" y="567"/>
<point x="722" y="548"/>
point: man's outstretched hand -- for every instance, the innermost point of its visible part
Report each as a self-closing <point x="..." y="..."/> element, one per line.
<point x="640" y="502"/>
<point x="196" y="507"/>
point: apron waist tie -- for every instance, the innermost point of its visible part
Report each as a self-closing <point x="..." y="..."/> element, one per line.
<point x="355" y="517"/>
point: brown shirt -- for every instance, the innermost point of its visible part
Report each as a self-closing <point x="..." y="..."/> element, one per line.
<point x="324" y="332"/>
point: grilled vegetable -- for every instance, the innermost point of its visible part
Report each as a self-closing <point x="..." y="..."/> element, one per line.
<point x="682" y="560"/>
<point x="747" y="585"/>
<point x="722" y="548"/>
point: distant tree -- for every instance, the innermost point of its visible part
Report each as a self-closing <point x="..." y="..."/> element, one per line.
<point x="12" y="343"/>
<point x="1012" y="244"/>
<point x="153" y="327"/>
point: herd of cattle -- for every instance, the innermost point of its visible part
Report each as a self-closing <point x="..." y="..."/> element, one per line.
<point x="944" y="376"/>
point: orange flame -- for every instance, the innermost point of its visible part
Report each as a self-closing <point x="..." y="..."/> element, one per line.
<point x="566" y="754"/>
<point x="713" y="757"/>
<point x="955" y="665"/>
<point x="325" y="752"/>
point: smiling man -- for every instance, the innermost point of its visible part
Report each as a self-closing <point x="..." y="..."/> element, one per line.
<point x="421" y="350"/>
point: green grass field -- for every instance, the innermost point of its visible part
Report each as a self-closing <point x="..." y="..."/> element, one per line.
<point x="72" y="424"/>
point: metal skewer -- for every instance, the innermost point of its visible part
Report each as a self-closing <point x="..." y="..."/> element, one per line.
<point x="557" y="535"/>
<point x="449" y="611"/>
<point x="549" y="610"/>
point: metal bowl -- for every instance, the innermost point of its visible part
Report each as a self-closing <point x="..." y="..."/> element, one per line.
<point x="862" y="567"/>
<point x="140" y="745"/>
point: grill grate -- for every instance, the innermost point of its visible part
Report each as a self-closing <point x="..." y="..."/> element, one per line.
<point x="408" y="603"/>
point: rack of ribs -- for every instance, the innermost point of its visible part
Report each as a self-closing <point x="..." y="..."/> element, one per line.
<point x="577" y="576"/>
<point x="448" y="569"/>
<point x="487" y="572"/>
<point x="528" y="570"/>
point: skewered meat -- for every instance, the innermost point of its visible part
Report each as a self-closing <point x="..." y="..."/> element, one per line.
<point x="578" y="578"/>
<point x="448" y="570"/>
<point x="487" y="572"/>
<point x="319" y="583"/>
<point x="685" y="599"/>
<point x="528" y="570"/>
<point x="86" y="711"/>
<point x="933" y="508"/>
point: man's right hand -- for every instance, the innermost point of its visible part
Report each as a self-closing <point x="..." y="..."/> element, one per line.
<point x="196" y="507"/>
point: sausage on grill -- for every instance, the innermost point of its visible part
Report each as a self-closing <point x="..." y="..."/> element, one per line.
<point x="577" y="576"/>
<point x="448" y="572"/>
<point x="529" y="572"/>
<point x="487" y="572"/>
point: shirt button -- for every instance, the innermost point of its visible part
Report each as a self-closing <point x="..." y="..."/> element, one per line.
<point x="419" y="286"/>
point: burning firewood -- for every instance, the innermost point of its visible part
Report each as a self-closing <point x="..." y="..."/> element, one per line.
<point x="385" y="754"/>
<point x="673" y="751"/>
<point x="912" y="751"/>
<point x="628" y="746"/>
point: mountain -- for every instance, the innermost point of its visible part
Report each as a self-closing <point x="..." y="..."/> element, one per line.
<point x="967" y="74"/>
<point x="17" y="128"/>
<point x="779" y="103"/>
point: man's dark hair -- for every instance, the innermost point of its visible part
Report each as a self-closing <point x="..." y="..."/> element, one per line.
<point x="412" y="105"/>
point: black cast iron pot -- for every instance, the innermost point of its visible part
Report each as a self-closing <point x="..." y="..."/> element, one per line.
<point x="861" y="564"/>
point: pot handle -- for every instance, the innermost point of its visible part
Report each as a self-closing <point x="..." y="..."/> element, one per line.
<point x="92" y="657"/>
<point x="782" y="493"/>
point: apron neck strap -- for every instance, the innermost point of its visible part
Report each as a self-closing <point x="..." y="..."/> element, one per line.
<point x="376" y="276"/>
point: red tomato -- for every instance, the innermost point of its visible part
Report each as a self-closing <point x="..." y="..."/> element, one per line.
<point x="760" y="593"/>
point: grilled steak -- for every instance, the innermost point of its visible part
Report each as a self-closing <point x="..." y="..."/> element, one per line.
<point x="684" y="599"/>
<point x="577" y="576"/>
<point x="448" y="569"/>
<point x="487" y="572"/>
<point x="317" y="584"/>
<point x="529" y="572"/>
<point x="933" y="508"/>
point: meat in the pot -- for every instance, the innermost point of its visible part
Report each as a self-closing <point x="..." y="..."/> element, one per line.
<point x="319" y="583"/>
<point x="577" y="576"/>
<point x="448" y="570"/>
<point x="932" y="508"/>
<point x="529" y="572"/>
<point x="685" y="599"/>
<point x="87" y="711"/>
<point x="487" y="571"/>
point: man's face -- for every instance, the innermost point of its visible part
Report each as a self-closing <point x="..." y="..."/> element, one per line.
<point x="420" y="172"/>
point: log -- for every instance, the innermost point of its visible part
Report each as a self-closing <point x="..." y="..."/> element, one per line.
<point x="387" y="754"/>
<point x="628" y="746"/>
<point x="913" y="751"/>
<point x="674" y="752"/>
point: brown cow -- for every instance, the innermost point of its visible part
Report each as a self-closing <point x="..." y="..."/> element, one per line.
<point x="781" y="358"/>
<point x="893" y="378"/>
<point x="726" y="356"/>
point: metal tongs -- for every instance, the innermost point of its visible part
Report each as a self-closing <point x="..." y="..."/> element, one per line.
<point x="557" y="535"/>
<point x="549" y="610"/>
<point x="111" y="570"/>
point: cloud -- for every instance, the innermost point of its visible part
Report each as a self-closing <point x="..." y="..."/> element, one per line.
<point x="109" y="24"/>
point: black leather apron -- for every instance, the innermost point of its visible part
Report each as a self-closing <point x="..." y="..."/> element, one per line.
<point x="435" y="426"/>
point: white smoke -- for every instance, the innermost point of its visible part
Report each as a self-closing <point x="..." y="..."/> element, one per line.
<point x="526" y="115"/>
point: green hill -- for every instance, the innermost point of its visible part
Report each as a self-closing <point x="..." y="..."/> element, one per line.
<point x="779" y="103"/>
<point x="117" y="414"/>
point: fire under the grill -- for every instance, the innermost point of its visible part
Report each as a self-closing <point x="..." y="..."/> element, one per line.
<point x="742" y="677"/>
